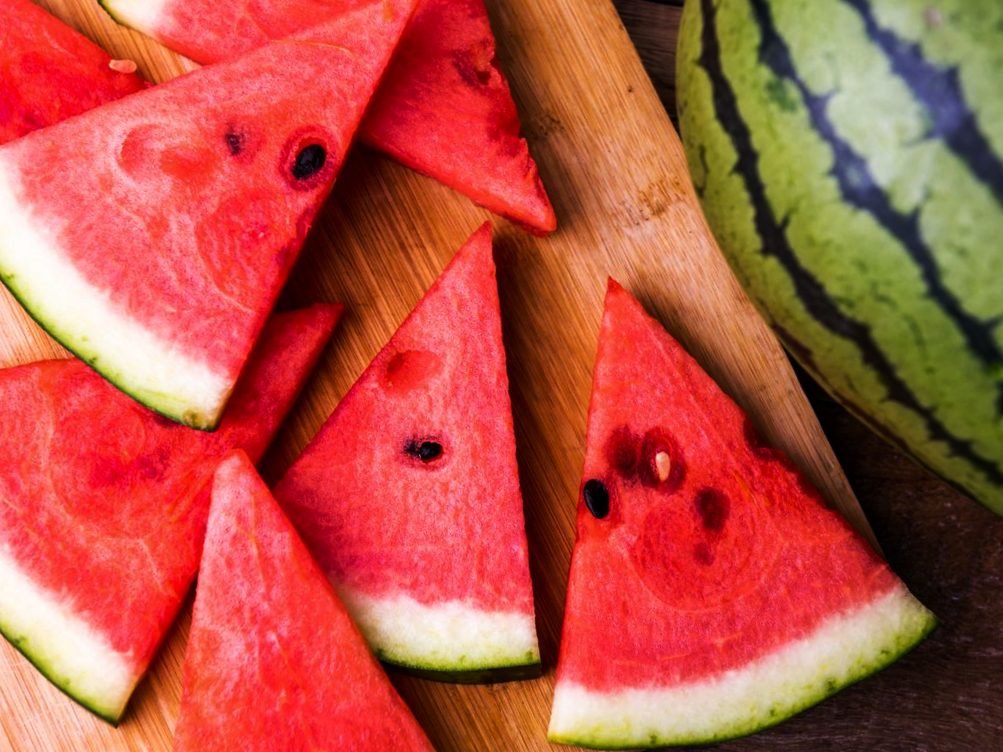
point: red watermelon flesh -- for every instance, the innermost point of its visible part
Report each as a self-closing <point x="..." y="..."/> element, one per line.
<point x="444" y="107"/>
<point x="49" y="72"/>
<point x="151" y="236"/>
<point x="273" y="660"/>
<point x="409" y="494"/>
<point x="104" y="507"/>
<point x="712" y="592"/>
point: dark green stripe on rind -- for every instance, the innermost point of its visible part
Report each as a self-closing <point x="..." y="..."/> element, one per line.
<point x="106" y="7"/>
<point x="939" y="91"/>
<point x="810" y="291"/>
<point x="860" y="190"/>
<point x="476" y="676"/>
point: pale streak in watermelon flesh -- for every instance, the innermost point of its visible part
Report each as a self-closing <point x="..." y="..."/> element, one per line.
<point x="78" y="659"/>
<point x="841" y="650"/>
<point x="40" y="275"/>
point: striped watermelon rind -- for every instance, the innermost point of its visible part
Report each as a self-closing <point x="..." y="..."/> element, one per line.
<point x="850" y="166"/>
<point x="843" y="650"/>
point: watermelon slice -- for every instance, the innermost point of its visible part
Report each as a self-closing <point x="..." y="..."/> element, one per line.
<point x="444" y="108"/>
<point x="273" y="660"/>
<point x="409" y="494"/>
<point x="712" y="593"/>
<point x="104" y="505"/>
<point x="151" y="236"/>
<point x="49" y="72"/>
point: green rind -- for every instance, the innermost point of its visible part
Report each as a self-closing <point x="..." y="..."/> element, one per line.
<point x="902" y="642"/>
<point x="865" y="271"/>
<point x="95" y="706"/>
<point x="463" y="670"/>
<point x="107" y="7"/>
<point x="152" y="400"/>
<point x="532" y="669"/>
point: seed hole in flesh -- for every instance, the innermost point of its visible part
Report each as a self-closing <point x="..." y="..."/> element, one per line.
<point x="423" y="450"/>
<point x="661" y="465"/>
<point x="234" y="142"/>
<point x="596" y="498"/>
<point x="713" y="508"/>
<point x="309" y="161"/>
<point x="410" y="370"/>
<point x="622" y="447"/>
<point x="703" y="554"/>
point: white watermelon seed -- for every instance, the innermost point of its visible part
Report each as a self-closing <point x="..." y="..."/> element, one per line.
<point x="663" y="465"/>
<point x="122" y="66"/>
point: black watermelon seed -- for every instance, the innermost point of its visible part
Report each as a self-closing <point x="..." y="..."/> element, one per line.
<point x="309" y="161"/>
<point x="426" y="451"/>
<point x="235" y="142"/>
<point x="597" y="498"/>
<point x="429" y="450"/>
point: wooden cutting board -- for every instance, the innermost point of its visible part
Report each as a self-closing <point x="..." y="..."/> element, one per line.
<point x="617" y="176"/>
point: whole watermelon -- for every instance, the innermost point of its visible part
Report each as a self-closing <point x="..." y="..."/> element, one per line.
<point x="849" y="157"/>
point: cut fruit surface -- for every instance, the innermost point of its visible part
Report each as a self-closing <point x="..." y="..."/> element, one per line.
<point x="103" y="506"/>
<point x="712" y="592"/>
<point x="273" y="660"/>
<point x="49" y="72"/>
<point x="444" y="107"/>
<point x="151" y="236"/>
<point x="409" y="495"/>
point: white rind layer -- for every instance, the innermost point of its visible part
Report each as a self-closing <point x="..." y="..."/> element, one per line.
<point x="84" y="319"/>
<point x="142" y="15"/>
<point x="70" y="653"/>
<point x="843" y="649"/>
<point x="446" y="637"/>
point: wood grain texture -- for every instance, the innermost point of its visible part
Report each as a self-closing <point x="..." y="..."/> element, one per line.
<point x="617" y="177"/>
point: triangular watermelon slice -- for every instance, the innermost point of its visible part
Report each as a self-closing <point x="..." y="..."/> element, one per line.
<point x="273" y="662"/>
<point x="152" y="235"/>
<point x="712" y="593"/>
<point x="444" y="108"/>
<point x="49" y="72"/>
<point x="103" y="506"/>
<point x="409" y="494"/>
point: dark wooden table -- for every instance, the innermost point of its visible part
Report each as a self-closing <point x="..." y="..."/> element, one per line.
<point x="948" y="693"/>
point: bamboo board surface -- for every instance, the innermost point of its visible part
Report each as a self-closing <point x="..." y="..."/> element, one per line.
<point x="616" y="174"/>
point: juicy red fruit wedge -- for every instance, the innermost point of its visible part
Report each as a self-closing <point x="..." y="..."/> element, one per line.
<point x="151" y="236"/>
<point x="104" y="507"/>
<point x="409" y="494"/>
<point x="273" y="661"/>
<point x="712" y="593"/>
<point x="444" y="107"/>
